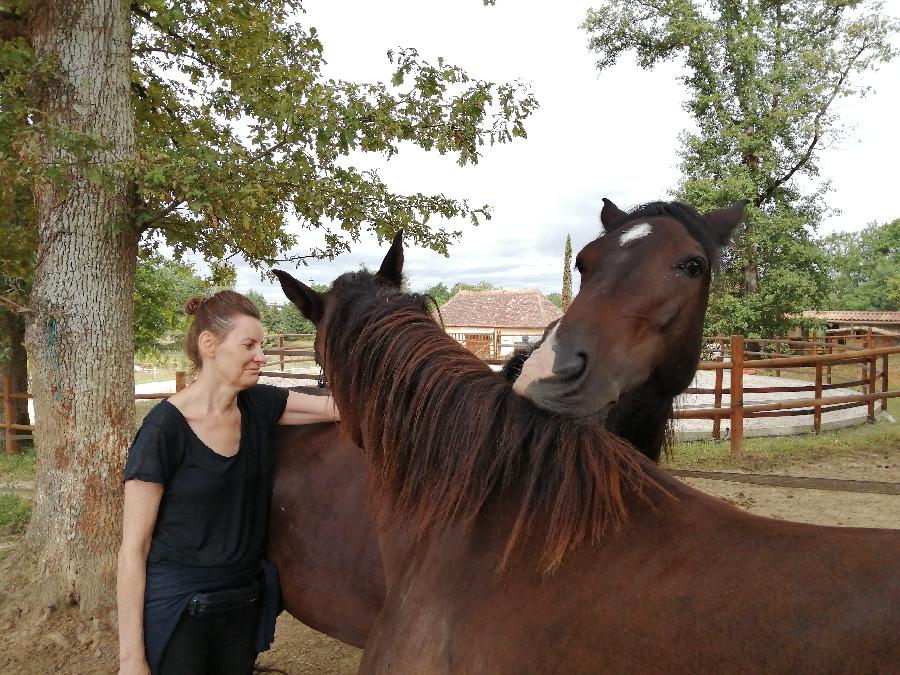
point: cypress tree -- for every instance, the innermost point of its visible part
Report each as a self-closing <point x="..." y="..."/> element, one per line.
<point x="567" y="276"/>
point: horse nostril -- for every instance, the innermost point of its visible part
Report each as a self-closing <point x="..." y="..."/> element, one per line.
<point x="571" y="367"/>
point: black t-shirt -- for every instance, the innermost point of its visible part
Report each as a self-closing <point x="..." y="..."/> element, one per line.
<point x="214" y="509"/>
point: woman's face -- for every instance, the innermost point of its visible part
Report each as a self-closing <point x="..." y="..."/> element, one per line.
<point x="238" y="357"/>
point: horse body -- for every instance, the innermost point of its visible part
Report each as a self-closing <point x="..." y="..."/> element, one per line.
<point x="322" y="530"/>
<point x="690" y="586"/>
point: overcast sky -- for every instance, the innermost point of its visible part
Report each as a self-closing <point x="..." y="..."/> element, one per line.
<point x="612" y="135"/>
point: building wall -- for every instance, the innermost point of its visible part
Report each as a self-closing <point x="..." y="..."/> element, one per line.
<point x="503" y="340"/>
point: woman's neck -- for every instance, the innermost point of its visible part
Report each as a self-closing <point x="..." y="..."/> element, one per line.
<point x="206" y="395"/>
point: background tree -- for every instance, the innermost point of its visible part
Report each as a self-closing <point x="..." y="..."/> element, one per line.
<point x="864" y="268"/>
<point x="207" y="125"/>
<point x="480" y="286"/>
<point x="281" y="318"/>
<point x="17" y="239"/>
<point x="161" y="289"/>
<point x="566" y="295"/>
<point x="439" y="292"/>
<point x="763" y="80"/>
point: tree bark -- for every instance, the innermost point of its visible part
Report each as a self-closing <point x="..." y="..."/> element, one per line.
<point x="79" y="337"/>
<point x="12" y="328"/>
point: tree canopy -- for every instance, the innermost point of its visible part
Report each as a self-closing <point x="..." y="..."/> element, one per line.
<point x="206" y="126"/>
<point x="864" y="268"/>
<point x="240" y="134"/>
<point x="762" y="82"/>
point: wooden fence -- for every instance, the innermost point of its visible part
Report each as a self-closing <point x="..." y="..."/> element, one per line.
<point x="822" y="356"/>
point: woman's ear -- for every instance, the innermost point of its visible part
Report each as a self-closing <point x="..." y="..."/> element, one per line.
<point x="207" y="342"/>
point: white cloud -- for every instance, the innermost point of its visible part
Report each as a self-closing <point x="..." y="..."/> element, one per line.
<point x="614" y="135"/>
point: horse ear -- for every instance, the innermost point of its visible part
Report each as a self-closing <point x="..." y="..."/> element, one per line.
<point x="611" y="215"/>
<point x="392" y="266"/>
<point x="724" y="221"/>
<point x="308" y="301"/>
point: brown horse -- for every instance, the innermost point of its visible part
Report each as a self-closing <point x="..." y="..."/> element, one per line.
<point x="322" y="531"/>
<point x="519" y="541"/>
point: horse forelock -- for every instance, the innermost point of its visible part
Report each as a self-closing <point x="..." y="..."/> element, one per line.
<point x="689" y="217"/>
<point x="446" y="436"/>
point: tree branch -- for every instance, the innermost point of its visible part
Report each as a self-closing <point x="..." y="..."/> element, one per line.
<point x="804" y="159"/>
<point x="162" y="214"/>
<point x="14" y="306"/>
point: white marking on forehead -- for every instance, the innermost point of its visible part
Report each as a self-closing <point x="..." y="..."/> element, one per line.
<point x="539" y="365"/>
<point x="635" y="232"/>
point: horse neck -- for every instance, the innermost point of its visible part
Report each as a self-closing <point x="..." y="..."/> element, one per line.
<point x="642" y="419"/>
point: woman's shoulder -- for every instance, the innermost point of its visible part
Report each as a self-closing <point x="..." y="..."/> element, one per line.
<point x="265" y="401"/>
<point x="164" y="416"/>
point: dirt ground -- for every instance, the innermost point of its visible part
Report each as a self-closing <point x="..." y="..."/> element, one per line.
<point x="56" y="642"/>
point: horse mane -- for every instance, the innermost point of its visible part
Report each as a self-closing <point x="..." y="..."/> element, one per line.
<point x="447" y="436"/>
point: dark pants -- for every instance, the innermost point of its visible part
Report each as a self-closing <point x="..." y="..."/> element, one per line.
<point x="219" y="644"/>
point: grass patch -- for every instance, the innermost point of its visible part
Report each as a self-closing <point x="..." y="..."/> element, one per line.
<point x="769" y="453"/>
<point x="15" y="512"/>
<point x="18" y="467"/>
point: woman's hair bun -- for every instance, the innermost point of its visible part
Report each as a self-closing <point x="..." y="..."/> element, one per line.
<point x="195" y="303"/>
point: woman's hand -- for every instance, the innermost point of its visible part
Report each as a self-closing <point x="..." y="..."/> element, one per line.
<point x="309" y="409"/>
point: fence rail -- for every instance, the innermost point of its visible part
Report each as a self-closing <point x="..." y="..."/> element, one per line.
<point x="821" y="355"/>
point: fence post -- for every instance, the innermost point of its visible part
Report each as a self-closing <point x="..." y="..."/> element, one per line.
<point x="864" y="375"/>
<point x="9" y="416"/>
<point x="817" y="411"/>
<point x="180" y="380"/>
<point x="873" y="377"/>
<point x="281" y="348"/>
<point x="717" y="420"/>
<point x="777" y="356"/>
<point x="884" y="379"/>
<point x="737" y="394"/>
<point x="828" y="367"/>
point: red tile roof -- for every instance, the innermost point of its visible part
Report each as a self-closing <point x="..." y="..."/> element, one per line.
<point x="858" y="316"/>
<point x="500" y="309"/>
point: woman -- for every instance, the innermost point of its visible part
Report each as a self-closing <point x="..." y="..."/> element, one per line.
<point x="194" y="593"/>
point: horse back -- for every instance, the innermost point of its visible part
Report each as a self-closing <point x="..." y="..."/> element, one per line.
<point x="695" y="587"/>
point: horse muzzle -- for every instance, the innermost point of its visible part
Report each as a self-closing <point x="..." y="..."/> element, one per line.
<point x="559" y="380"/>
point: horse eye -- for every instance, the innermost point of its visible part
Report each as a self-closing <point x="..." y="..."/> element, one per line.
<point x="693" y="267"/>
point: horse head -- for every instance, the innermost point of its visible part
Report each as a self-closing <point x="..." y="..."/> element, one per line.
<point x="319" y="307"/>
<point x="330" y="308"/>
<point x="637" y="321"/>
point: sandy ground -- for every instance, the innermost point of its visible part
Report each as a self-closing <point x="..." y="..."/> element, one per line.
<point x="40" y="642"/>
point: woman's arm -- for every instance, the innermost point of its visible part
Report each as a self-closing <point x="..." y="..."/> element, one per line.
<point x="309" y="409"/>
<point x="139" y="516"/>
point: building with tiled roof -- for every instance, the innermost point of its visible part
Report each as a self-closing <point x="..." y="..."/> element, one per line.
<point x="872" y="328"/>
<point x="491" y="323"/>
<point x="857" y="318"/>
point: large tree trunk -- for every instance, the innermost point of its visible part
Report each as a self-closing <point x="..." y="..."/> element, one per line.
<point x="12" y="328"/>
<point x="80" y="335"/>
